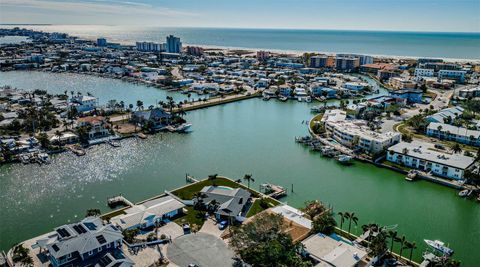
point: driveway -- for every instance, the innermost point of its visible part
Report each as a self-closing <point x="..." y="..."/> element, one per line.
<point x="201" y="249"/>
<point x="211" y="227"/>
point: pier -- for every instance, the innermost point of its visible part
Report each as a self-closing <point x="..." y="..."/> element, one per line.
<point x="273" y="191"/>
<point x="118" y="200"/>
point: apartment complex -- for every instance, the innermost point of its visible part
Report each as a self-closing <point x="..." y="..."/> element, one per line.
<point x="425" y="157"/>
<point x="454" y="133"/>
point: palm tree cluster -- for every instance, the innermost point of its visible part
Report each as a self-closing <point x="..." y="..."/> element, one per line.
<point x="322" y="217"/>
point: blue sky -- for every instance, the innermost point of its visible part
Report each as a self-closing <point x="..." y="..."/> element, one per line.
<point x="395" y="15"/>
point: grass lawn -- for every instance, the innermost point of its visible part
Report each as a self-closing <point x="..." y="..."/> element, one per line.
<point x="187" y="192"/>
<point x="315" y="119"/>
<point x="112" y="214"/>
<point x="257" y="208"/>
<point x="191" y="217"/>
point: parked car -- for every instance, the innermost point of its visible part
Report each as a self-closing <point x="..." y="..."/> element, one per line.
<point x="222" y="225"/>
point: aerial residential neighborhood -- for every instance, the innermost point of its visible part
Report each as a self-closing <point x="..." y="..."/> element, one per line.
<point x="239" y="133"/>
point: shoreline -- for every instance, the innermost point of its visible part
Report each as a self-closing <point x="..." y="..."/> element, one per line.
<point x="294" y="52"/>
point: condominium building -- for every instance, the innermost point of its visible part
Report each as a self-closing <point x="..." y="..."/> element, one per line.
<point x="400" y="83"/>
<point x="318" y="61"/>
<point x="457" y="75"/>
<point x="150" y="47"/>
<point x="173" y="44"/>
<point x="454" y="133"/>
<point x="419" y="72"/>
<point x="425" y="157"/>
<point x="263" y="55"/>
<point x="470" y="92"/>
<point x="347" y="63"/>
<point x="356" y="134"/>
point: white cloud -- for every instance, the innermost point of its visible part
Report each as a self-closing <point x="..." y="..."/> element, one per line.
<point x="108" y="7"/>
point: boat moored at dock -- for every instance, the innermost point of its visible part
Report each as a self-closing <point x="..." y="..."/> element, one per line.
<point x="439" y="246"/>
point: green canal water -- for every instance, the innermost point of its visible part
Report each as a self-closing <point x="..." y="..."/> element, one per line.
<point x="251" y="136"/>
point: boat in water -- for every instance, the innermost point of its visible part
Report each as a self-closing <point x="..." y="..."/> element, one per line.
<point x="344" y="159"/>
<point x="317" y="109"/>
<point x="114" y="143"/>
<point x="411" y="175"/>
<point x="43" y="158"/>
<point x="283" y="98"/>
<point x="179" y="129"/>
<point x="465" y="193"/>
<point x="439" y="246"/>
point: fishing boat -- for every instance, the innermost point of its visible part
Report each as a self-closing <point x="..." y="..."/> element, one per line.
<point x="317" y="109"/>
<point x="411" y="175"/>
<point x="464" y="193"/>
<point x="114" y="143"/>
<point x="344" y="159"/>
<point x="183" y="127"/>
<point x="141" y="136"/>
<point x="439" y="246"/>
<point x="43" y="158"/>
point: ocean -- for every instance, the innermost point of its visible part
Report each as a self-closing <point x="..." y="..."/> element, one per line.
<point x="404" y="44"/>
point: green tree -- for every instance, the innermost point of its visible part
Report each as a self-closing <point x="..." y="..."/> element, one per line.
<point x="351" y="218"/>
<point x="402" y="241"/>
<point x="393" y="236"/>
<point x="93" y="212"/>
<point x="456" y="148"/>
<point x="263" y="242"/>
<point x="248" y="178"/>
<point x="43" y="140"/>
<point x="378" y="245"/>
<point x="324" y="223"/>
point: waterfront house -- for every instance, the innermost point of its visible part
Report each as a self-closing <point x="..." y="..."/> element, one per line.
<point x="158" y="117"/>
<point x="96" y="125"/>
<point x="86" y="243"/>
<point x="83" y="103"/>
<point x="410" y="95"/>
<point x="232" y="203"/>
<point x="355" y="86"/>
<point x="445" y="115"/>
<point x="149" y="213"/>
<point x="425" y="157"/>
<point x="327" y="251"/>
<point x="285" y="90"/>
<point x="453" y="133"/>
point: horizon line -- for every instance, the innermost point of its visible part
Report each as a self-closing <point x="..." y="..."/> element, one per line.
<point x="245" y="28"/>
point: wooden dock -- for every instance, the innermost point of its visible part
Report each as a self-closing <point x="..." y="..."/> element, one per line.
<point x="274" y="191"/>
<point x="119" y="200"/>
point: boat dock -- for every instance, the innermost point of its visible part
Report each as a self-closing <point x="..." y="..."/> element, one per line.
<point x="274" y="191"/>
<point x="118" y="200"/>
<point x="190" y="179"/>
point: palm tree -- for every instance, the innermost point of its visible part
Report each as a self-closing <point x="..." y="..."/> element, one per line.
<point x="58" y="134"/>
<point x="456" y="148"/>
<point x="342" y="219"/>
<point x="411" y="246"/>
<point x="393" y="236"/>
<point x="139" y="105"/>
<point x="212" y="206"/>
<point x="248" y="178"/>
<point x="402" y="241"/>
<point x="351" y="217"/>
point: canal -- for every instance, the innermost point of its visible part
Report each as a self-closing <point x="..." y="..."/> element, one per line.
<point x="251" y="136"/>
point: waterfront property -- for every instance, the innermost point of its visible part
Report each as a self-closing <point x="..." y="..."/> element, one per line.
<point x="156" y="117"/>
<point x="149" y="213"/>
<point x="425" y="157"/>
<point x="232" y="203"/>
<point x="83" y="103"/>
<point x="88" y="242"/>
<point x="410" y="95"/>
<point x="96" y="126"/>
<point x="453" y="133"/>
<point x="326" y="251"/>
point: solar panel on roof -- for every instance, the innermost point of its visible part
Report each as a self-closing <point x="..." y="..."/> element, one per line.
<point x="63" y="233"/>
<point x="104" y="261"/>
<point x="101" y="239"/>
<point x="90" y="226"/>
<point x="55" y="247"/>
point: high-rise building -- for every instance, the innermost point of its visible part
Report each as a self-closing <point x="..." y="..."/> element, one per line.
<point x="318" y="61"/>
<point x="263" y="55"/>
<point x="347" y="63"/>
<point x="194" y="50"/>
<point x="150" y="47"/>
<point x="173" y="44"/>
<point x="101" y="42"/>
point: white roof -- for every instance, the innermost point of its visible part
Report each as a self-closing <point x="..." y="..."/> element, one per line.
<point x="428" y="152"/>
<point x="138" y="214"/>
<point x="334" y="115"/>
<point x="292" y="214"/>
<point x="459" y="131"/>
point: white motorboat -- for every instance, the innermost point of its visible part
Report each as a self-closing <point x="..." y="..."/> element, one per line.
<point x="183" y="127"/>
<point x="283" y="98"/>
<point x="464" y="193"/>
<point x="344" y="159"/>
<point x="412" y="174"/>
<point x="439" y="246"/>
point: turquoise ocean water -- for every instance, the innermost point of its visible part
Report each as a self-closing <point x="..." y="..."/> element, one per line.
<point x="414" y="44"/>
